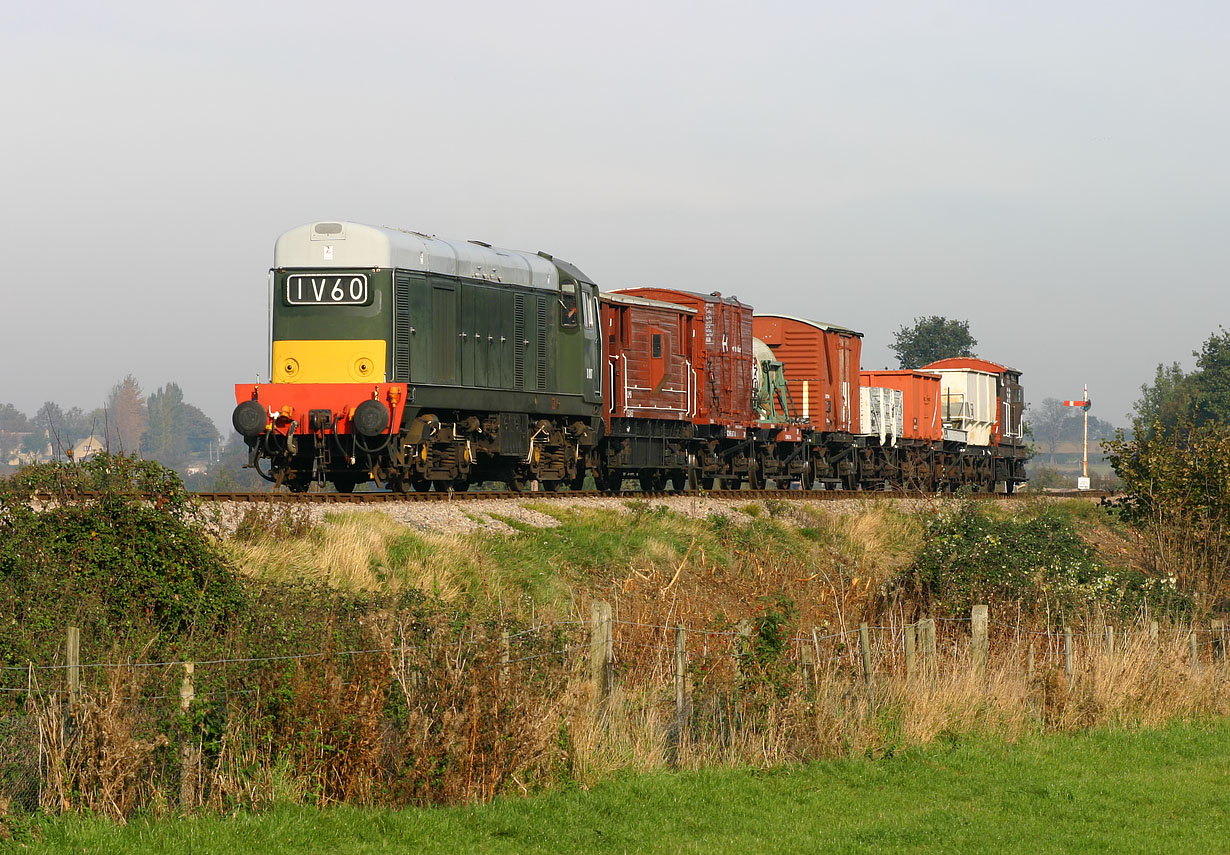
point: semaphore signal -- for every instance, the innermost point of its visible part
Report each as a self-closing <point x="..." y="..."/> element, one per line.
<point x="1082" y="483"/>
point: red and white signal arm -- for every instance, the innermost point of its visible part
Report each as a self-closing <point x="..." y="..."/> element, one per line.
<point x="1084" y="405"/>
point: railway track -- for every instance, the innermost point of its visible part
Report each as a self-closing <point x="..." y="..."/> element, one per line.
<point x="478" y="495"/>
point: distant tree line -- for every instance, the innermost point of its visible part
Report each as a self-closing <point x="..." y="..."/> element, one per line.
<point x="164" y="427"/>
<point x="1053" y="424"/>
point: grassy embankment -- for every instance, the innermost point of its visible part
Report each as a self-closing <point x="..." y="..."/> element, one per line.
<point x="1098" y="791"/>
<point x="481" y="688"/>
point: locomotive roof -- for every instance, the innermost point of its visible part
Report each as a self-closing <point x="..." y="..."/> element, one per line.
<point x="341" y="244"/>
<point x="817" y="324"/>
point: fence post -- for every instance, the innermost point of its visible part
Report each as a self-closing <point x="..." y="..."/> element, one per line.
<point x="189" y="757"/>
<point x="505" y="654"/>
<point x="1110" y="641"/>
<point x="927" y="628"/>
<point x="1029" y="669"/>
<point x="978" y="639"/>
<point x="808" y="658"/>
<point x="864" y="646"/>
<point x="1195" y="651"/>
<point x="1219" y="640"/>
<point x="1067" y="652"/>
<point x="674" y="733"/>
<point x="72" y="658"/>
<point x="1153" y="632"/>
<point x="681" y="662"/>
<point x="743" y="629"/>
<point x="601" y="649"/>
<point x="910" y="643"/>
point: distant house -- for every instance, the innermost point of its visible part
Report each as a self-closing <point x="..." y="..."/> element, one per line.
<point x="87" y="448"/>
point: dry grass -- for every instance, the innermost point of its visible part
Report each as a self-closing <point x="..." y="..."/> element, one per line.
<point x="732" y="720"/>
<point x="363" y="552"/>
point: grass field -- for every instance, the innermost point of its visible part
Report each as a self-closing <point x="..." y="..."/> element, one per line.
<point x="1101" y="791"/>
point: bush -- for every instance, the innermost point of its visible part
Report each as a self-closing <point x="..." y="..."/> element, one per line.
<point x="1178" y="486"/>
<point x="119" y="548"/>
<point x="970" y="555"/>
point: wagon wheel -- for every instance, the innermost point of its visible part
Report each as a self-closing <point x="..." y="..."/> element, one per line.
<point x="807" y="478"/>
<point x="706" y="482"/>
<point x="679" y="480"/>
<point x="515" y="479"/>
<point x="614" y="481"/>
<point x="652" y="481"/>
<point x="755" y="476"/>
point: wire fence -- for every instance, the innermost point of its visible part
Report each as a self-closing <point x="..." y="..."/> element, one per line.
<point x="196" y="725"/>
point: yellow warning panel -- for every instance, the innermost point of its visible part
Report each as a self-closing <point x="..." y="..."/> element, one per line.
<point x="343" y="361"/>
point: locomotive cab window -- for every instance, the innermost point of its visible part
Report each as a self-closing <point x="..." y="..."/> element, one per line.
<point x="568" y="305"/>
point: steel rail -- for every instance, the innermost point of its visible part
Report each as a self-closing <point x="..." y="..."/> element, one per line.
<point x="365" y="498"/>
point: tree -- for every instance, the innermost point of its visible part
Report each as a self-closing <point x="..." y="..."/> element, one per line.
<point x="1170" y="399"/>
<point x="64" y="429"/>
<point x="13" y="419"/>
<point x="1048" y="421"/>
<point x="13" y="427"/>
<point x="166" y="438"/>
<point x="200" y="432"/>
<point x="127" y="416"/>
<point x="1213" y="379"/>
<point x="35" y="442"/>
<point x="932" y="338"/>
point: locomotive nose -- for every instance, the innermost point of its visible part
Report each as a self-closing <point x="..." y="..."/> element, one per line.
<point x="250" y="419"/>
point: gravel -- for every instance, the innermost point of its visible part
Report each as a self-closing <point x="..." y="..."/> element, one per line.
<point x="494" y="515"/>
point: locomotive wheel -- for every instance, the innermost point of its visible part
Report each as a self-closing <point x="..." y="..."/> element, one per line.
<point x="706" y="482"/>
<point x="442" y="484"/>
<point x="298" y="482"/>
<point x="578" y="482"/>
<point x="345" y="483"/>
<point x="461" y="484"/>
<point x="549" y="486"/>
<point x="614" y="481"/>
<point x="420" y="485"/>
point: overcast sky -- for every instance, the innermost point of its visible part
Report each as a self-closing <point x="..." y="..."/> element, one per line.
<point x="1053" y="172"/>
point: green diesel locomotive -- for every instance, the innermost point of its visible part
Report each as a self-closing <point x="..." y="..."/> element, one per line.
<point x="419" y="362"/>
